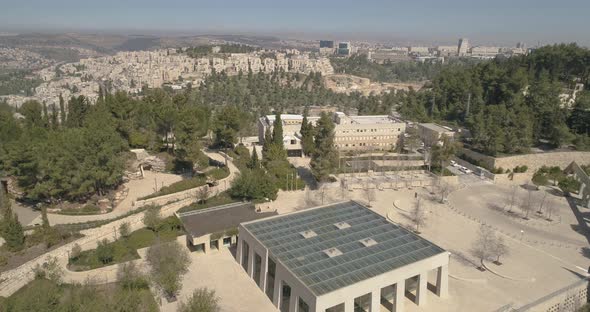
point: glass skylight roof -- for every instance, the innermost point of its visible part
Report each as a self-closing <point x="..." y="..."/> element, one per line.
<point x="388" y="246"/>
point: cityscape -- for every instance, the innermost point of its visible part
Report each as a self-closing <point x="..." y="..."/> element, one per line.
<point x="294" y="157"/>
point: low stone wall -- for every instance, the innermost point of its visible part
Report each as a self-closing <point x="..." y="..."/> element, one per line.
<point x="532" y="161"/>
<point x="536" y="161"/>
<point x="570" y="298"/>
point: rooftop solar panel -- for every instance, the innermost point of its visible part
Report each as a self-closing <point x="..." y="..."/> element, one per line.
<point x="306" y="257"/>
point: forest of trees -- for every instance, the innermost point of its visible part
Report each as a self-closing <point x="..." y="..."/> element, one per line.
<point x="73" y="151"/>
<point x="512" y="104"/>
<point x="18" y="83"/>
<point x="406" y="71"/>
<point x="203" y="50"/>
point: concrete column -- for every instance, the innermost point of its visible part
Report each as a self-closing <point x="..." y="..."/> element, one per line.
<point x="207" y="245"/>
<point x="251" y="262"/>
<point x="263" y="272"/>
<point x="421" y="290"/>
<point x="349" y="305"/>
<point x="219" y="243"/>
<point x="399" y="296"/>
<point x="293" y="301"/>
<point x="442" y="281"/>
<point x="233" y="240"/>
<point x="239" y="251"/>
<point x="277" y="295"/>
<point x="582" y="186"/>
<point x="376" y="300"/>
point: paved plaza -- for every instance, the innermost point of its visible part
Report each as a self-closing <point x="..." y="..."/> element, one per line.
<point x="547" y="257"/>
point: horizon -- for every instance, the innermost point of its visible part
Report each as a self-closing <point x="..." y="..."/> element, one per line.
<point x="533" y="22"/>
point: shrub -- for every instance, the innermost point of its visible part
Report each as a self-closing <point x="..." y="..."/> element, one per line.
<point x="124" y="229"/>
<point x="569" y="185"/>
<point x="104" y="251"/>
<point x="520" y="169"/>
<point x="76" y="251"/>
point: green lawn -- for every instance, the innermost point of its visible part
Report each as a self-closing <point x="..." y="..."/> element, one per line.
<point x="125" y="249"/>
<point x="221" y="199"/>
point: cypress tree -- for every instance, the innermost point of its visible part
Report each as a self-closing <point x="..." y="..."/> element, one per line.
<point x="12" y="230"/>
<point x="62" y="110"/>
<point x="254" y="162"/>
<point x="277" y="130"/>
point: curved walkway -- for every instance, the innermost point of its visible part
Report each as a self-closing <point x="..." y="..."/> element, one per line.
<point x="17" y="278"/>
<point x="137" y="189"/>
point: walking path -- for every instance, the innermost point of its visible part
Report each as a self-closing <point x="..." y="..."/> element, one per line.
<point x="13" y="280"/>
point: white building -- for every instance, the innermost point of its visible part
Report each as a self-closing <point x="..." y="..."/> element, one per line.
<point x="351" y="133"/>
<point x="339" y="258"/>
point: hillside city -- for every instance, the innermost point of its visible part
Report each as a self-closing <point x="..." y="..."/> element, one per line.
<point x="235" y="172"/>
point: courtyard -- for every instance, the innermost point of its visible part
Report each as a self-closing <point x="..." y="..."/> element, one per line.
<point x="544" y="257"/>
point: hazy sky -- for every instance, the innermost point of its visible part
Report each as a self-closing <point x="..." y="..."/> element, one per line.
<point x="490" y="21"/>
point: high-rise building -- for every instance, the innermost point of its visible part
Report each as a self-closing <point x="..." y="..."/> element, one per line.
<point x="463" y="46"/>
<point x="326" y="44"/>
<point x="344" y="48"/>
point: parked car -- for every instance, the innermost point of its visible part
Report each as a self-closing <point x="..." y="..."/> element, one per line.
<point x="454" y="163"/>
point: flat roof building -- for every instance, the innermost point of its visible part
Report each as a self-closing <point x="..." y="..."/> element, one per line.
<point x="351" y="133"/>
<point x="338" y="257"/>
<point x="216" y="227"/>
<point x="431" y="134"/>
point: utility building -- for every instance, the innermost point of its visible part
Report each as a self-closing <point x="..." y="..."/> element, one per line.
<point x="340" y="257"/>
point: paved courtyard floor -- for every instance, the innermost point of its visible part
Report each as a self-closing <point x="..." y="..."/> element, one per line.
<point x="219" y="271"/>
<point x="548" y="257"/>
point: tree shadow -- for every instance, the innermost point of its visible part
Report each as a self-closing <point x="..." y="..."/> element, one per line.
<point x="582" y="226"/>
<point x="581" y="276"/>
<point x="307" y="177"/>
<point x="585" y="251"/>
<point x="462" y="258"/>
<point x="529" y="187"/>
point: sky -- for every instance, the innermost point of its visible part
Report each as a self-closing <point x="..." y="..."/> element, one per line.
<point x="437" y="21"/>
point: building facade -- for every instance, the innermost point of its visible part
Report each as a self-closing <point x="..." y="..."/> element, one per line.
<point x="351" y="133"/>
<point x="431" y="134"/>
<point x="339" y="258"/>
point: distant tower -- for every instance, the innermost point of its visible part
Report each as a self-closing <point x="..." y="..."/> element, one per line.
<point x="463" y="46"/>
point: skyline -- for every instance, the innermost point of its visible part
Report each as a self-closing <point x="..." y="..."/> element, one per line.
<point x="502" y="22"/>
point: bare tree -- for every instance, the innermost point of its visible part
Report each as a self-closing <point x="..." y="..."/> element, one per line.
<point x="418" y="215"/>
<point x="483" y="246"/>
<point x="369" y="193"/>
<point x="202" y="194"/>
<point x="343" y="188"/>
<point x="550" y="209"/>
<point x="512" y="198"/>
<point x="499" y="249"/>
<point x="322" y="192"/>
<point x="527" y="204"/>
<point x="540" y="211"/>
<point x="444" y="189"/>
